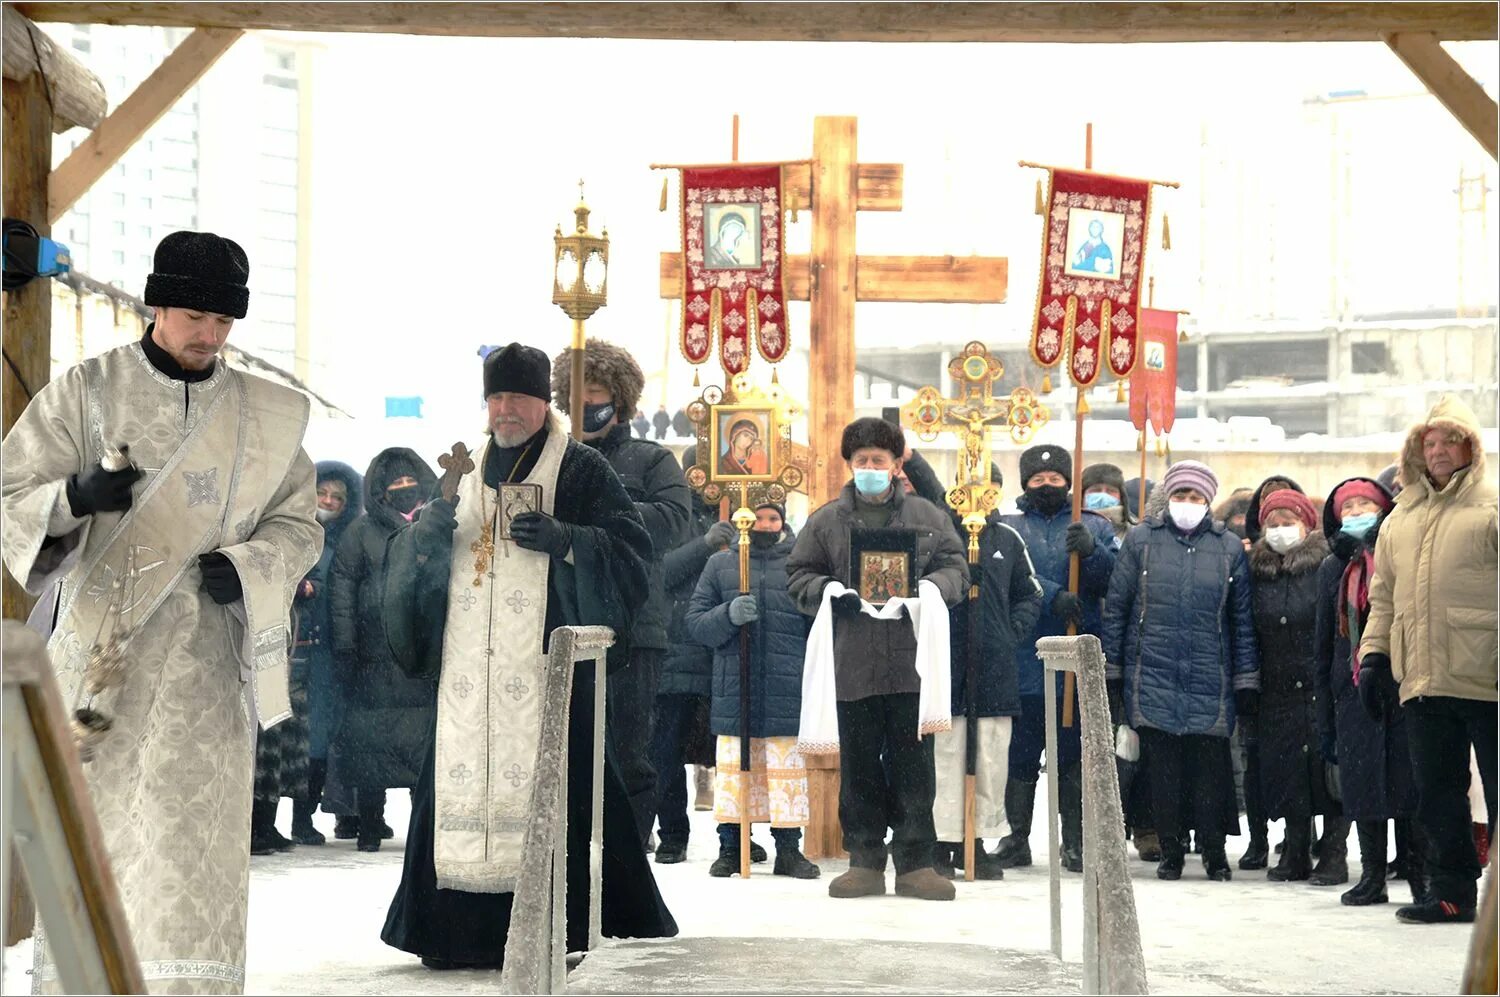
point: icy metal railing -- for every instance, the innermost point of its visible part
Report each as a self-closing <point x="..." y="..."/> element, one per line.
<point x="537" y="947"/>
<point x="1112" y="958"/>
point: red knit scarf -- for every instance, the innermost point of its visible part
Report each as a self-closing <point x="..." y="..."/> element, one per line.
<point x="1354" y="602"/>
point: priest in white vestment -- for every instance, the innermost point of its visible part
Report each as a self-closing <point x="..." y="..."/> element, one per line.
<point x="185" y="553"/>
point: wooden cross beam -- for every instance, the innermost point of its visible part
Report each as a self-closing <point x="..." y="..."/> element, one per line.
<point x="833" y="278"/>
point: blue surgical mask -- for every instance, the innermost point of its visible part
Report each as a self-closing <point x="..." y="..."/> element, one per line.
<point x="872" y="481"/>
<point x="1358" y="526"/>
<point x="1099" y="501"/>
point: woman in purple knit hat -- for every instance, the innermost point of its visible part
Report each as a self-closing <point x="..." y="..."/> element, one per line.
<point x="1182" y="666"/>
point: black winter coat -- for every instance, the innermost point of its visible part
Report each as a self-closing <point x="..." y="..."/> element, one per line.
<point x="778" y="641"/>
<point x="1010" y="600"/>
<point x="688" y="666"/>
<point x="1285" y="603"/>
<point x="1374" y="762"/>
<point x="654" y="481"/>
<point x="388" y="716"/>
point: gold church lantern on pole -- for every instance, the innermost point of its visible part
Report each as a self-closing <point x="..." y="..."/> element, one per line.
<point x="580" y="287"/>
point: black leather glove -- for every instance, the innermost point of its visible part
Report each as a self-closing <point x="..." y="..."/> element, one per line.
<point x="1079" y="540"/>
<point x="219" y="577"/>
<point x="1328" y="744"/>
<point x="540" y="532"/>
<point x="433" y="530"/>
<point x="1374" y="685"/>
<point x="1066" y="606"/>
<point x="742" y="610"/>
<point x="1344" y="545"/>
<point x="1247" y="702"/>
<point x="1116" y="690"/>
<point x="720" y="535"/>
<point x="847" y="605"/>
<point x="98" y="490"/>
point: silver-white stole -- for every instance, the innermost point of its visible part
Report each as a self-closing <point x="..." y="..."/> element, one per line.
<point x="489" y="695"/>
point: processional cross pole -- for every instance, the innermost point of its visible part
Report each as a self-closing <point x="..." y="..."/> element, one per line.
<point x="971" y="415"/>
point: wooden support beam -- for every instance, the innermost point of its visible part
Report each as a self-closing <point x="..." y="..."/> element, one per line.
<point x="1441" y="74"/>
<point x="155" y="96"/>
<point x="969" y="280"/>
<point x="878" y="188"/>
<point x="830" y="403"/>
<point x="832" y="22"/>
<point x="75" y="95"/>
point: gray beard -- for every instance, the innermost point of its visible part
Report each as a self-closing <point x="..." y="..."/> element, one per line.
<point x="510" y="439"/>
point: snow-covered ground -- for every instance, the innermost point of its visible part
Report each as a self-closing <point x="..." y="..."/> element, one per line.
<point x="316" y="913"/>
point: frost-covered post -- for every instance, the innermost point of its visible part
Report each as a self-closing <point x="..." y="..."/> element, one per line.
<point x="1112" y="958"/>
<point x="536" y="948"/>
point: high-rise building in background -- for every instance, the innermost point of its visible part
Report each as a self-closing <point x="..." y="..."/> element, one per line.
<point x="231" y="156"/>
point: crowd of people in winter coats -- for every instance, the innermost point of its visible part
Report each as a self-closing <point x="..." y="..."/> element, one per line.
<point x="1321" y="660"/>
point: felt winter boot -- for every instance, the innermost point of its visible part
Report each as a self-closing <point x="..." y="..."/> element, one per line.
<point x="1371" y="886"/>
<point x="1146" y="846"/>
<point x="1014" y="849"/>
<point x="1296" y="858"/>
<point x="1258" y="854"/>
<point x="861" y="881"/>
<point x="1071" y="807"/>
<point x="1333" y="858"/>
<point x="923" y="884"/>
<point x="1170" y="866"/>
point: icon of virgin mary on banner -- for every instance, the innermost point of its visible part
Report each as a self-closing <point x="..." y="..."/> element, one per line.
<point x="1093" y="263"/>
<point x="733" y="290"/>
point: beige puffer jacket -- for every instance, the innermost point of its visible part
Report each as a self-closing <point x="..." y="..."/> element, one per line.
<point x="1432" y="601"/>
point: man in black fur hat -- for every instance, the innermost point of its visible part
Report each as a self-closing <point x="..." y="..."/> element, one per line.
<point x="883" y="674"/>
<point x="472" y="607"/>
<point x="612" y="390"/>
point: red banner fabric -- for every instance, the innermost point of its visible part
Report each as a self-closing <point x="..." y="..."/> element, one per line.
<point x="1093" y="263"/>
<point x="732" y="288"/>
<point x="1153" y="385"/>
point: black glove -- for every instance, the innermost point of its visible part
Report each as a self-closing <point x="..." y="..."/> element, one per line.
<point x="433" y="530"/>
<point x="742" y="610"/>
<point x="540" y="532"/>
<point x="1247" y="702"/>
<point x="1116" y="690"/>
<point x="1344" y="545"/>
<point x="219" y="577"/>
<point x="1079" y="540"/>
<point x="1066" y="606"/>
<point x="720" y="535"/>
<point x="1328" y="744"/>
<point x="847" y="605"/>
<point x="98" y="490"/>
<point x="1374" y="685"/>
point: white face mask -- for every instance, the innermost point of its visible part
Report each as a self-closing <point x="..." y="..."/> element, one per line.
<point x="1186" y="515"/>
<point x="1283" y="538"/>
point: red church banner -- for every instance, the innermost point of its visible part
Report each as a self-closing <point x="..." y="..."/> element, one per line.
<point x="1153" y="386"/>
<point x="732" y="289"/>
<point x="1093" y="264"/>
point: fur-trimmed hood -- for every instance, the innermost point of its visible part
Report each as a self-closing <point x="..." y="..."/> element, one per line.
<point x="1303" y="559"/>
<point x="603" y="363"/>
<point x="1448" y="413"/>
<point x="1252" y="514"/>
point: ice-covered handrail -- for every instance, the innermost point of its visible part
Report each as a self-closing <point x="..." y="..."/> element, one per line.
<point x="536" y="948"/>
<point x="1112" y="958"/>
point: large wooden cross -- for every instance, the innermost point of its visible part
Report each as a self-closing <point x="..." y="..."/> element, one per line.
<point x="834" y="277"/>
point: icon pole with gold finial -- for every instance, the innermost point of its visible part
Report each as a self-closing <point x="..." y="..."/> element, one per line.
<point x="580" y="287"/>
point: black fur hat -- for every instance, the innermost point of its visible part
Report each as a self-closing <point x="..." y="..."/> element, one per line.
<point x="1104" y="474"/>
<point x="606" y="364"/>
<point x="1046" y="457"/>
<point x="518" y="369"/>
<point x="873" y="432"/>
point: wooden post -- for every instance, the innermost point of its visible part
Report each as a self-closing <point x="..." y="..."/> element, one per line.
<point x="832" y="278"/>
<point x="27" y="340"/>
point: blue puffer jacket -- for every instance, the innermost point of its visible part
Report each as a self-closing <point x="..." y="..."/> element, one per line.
<point x="1046" y="542"/>
<point x="778" y="641"/>
<point x="1178" y="627"/>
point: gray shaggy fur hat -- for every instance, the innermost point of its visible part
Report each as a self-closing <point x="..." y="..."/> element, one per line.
<point x="606" y="364"/>
<point x="873" y="432"/>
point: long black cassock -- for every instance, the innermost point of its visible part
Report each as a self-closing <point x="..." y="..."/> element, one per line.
<point x="604" y="584"/>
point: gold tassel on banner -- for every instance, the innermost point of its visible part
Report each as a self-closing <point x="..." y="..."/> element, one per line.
<point x="1161" y="447"/>
<point x="1041" y="209"/>
<point x="1046" y="384"/>
<point x="1182" y="336"/>
<point x="696" y="382"/>
<point x="662" y="205"/>
<point x="1120" y="391"/>
<point x="1166" y="231"/>
<point x="1083" y="405"/>
<point x="791" y="203"/>
<point x="774" y="378"/>
<point x="715" y="319"/>
<point x="752" y="309"/>
<point x="1140" y="442"/>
